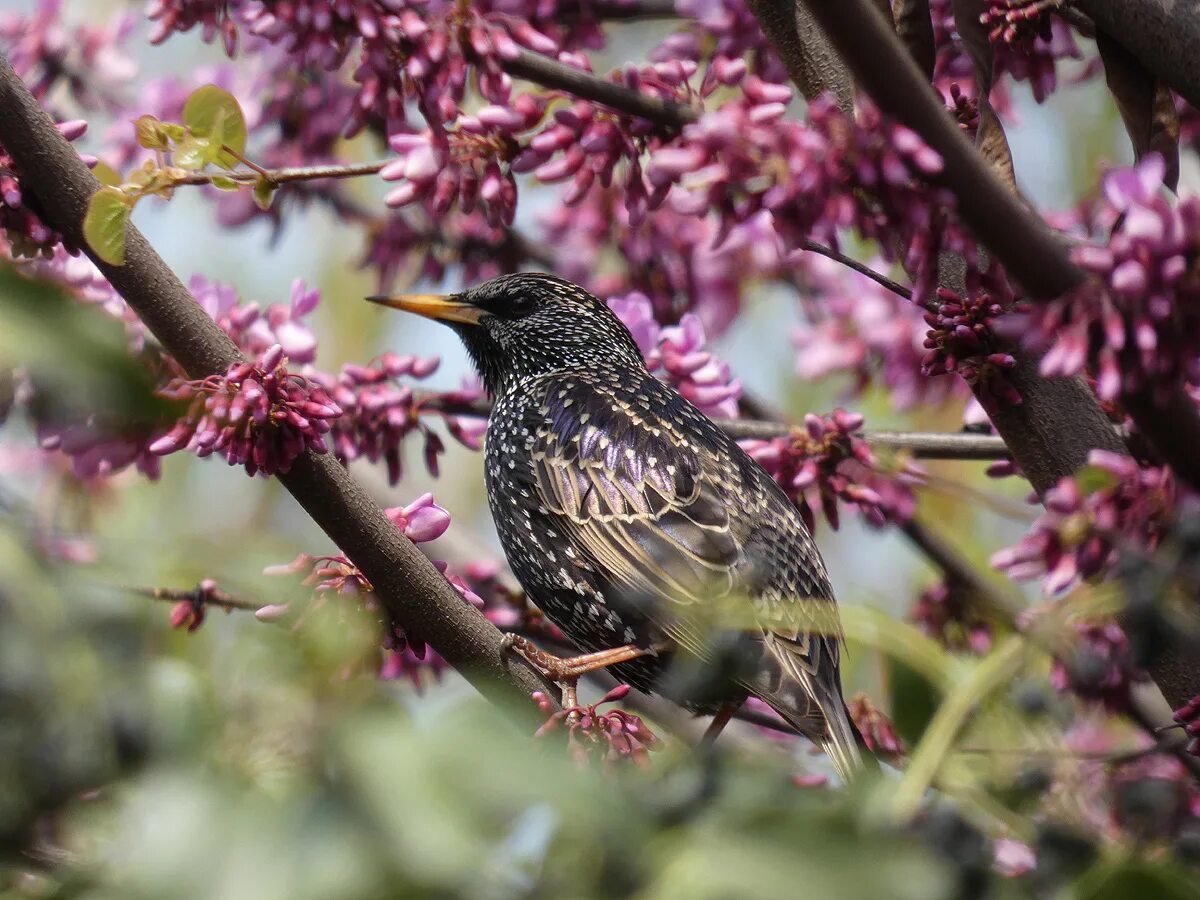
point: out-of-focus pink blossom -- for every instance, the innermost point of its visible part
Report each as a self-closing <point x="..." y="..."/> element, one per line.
<point x="679" y="356"/>
<point x="616" y="735"/>
<point x="1087" y="518"/>
<point x="826" y="463"/>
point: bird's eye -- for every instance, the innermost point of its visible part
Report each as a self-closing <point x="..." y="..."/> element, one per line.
<point x="520" y="304"/>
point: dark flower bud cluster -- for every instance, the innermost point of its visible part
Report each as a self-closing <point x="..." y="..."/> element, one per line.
<point x="1103" y="668"/>
<point x="961" y="340"/>
<point x="256" y="415"/>
<point x="877" y="730"/>
<point x="826" y="463"/>
<point x="616" y="736"/>
<point x="1087" y="517"/>
<point x="189" y="613"/>
<point x="1136" y="325"/>
<point x="27" y="235"/>
<point x="945" y="611"/>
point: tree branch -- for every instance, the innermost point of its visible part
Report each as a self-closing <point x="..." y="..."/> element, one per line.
<point x="413" y="592"/>
<point x="922" y="444"/>
<point x="1033" y="253"/>
<point x="284" y="175"/>
<point x="1059" y="422"/>
<point x="552" y="74"/>
<point x="1163" y="34"/>
<point x="811" y="62"/>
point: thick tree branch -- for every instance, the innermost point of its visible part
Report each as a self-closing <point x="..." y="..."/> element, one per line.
<point x="414" y="593"/>
<point x="1163" y="34"/>
<point x="1059" y="422"/>
<point x="811" y="62"/>
<point x="1033" y="253"/>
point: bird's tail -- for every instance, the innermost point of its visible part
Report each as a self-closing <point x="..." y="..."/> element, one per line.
<point x="818" y="712"/>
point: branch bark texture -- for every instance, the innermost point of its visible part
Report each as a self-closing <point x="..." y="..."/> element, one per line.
<point x="413" y="592"/>
<point x="1163" y="34"/>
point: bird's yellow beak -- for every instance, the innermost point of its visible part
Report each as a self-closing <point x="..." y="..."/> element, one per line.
<point x="448" y="308"/>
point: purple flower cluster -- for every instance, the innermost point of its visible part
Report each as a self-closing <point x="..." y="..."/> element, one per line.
<point x="1137" y="323"/>
<point x="961" y="339"/>
<point x="744" y="158"/>
<point x="671" y="256"/>
<point x="1029" y="41"/>
<point x="380" y="412"/>
<point x="1111" y="502"/>
<point x="21" y="227"/>
<point x="1102" y="669"/>
<point x="825" y="463"/>
<point x="87" y="59"/>
<point x="1187" y="717"/>
<point x="945" y="612"/>
<point x="678" y="355"/>
<point x="616" y="735"/>
<point x="472" y="163"/>
<point x="256" y="415"/>
<point x="254" y="329"/>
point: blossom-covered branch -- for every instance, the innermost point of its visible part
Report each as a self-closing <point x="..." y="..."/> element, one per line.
<point x="414" y="593"/>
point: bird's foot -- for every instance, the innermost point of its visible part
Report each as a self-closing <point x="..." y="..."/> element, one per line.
<point x="566" y="672"/>
<point x="557" y="668"/>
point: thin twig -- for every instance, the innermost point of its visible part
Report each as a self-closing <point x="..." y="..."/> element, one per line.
<point x="290" y="173"/>
<point x="894" y="286"/>
<point x="210" y="598"/>
<point x="552" y="74"/>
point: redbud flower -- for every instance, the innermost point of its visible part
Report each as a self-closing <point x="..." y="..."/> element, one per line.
<point x="257" y="415"/>
<point x="1102" y="669"/>
<point x="826" y="462"/>
<point x="1087" y="517"/>
<point x="618" y="736"/>
<point x="1135" y="324"/>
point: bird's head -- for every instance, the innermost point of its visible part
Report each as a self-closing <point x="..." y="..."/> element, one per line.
<point x="528" y="324"/>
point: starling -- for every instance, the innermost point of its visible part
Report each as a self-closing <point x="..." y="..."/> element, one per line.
<point x="634" y="522"/>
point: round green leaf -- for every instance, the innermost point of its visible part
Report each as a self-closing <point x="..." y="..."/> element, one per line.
<point x="213" y="113"/>
<point x="104" y="224"/>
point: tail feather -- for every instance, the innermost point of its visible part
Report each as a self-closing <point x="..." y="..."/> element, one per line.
<point x="818" y="712"/>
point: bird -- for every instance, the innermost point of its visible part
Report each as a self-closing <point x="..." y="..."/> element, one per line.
<point x="636" y="524"/>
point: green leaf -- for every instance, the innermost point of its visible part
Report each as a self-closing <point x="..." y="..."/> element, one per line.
<point x="195" y="152"/>
<point x="107" y="175"/>
<point x="264" y="193"/>
<point x="221" y="183"/>
<point x="1094" y="478"/>
<point x="150" y="133"/>
<point x="215" y="114"/>
<point x="104" y="224"/>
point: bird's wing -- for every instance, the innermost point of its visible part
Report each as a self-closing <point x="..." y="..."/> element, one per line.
<point x="657" y="515"/>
